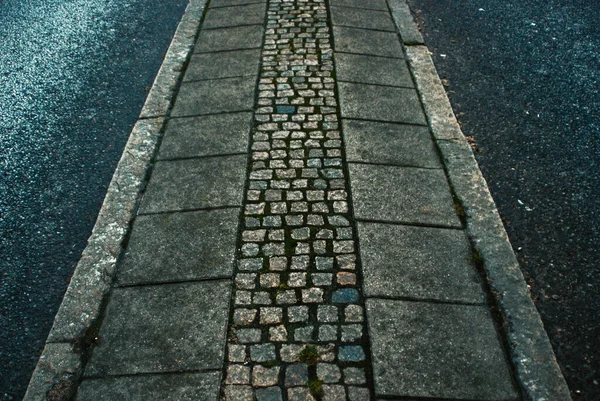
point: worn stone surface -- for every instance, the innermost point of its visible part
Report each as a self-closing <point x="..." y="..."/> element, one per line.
<point x="181" y="386"/>
<point x="162" y="328"/>
<point x="237" y="63"/>
<point x="246" y="14"/>
<point x="372" y="70"/>
<point x="409" y="32"/>
<point x="388" y="143"/>
<point x="195" y="183"/>
<point x="209" y="135"/>
<point x="372" y="4"/>
<point x="214" y="96"/>
<point x="418" y="262"/>
<point x="228" y="3"/>
<point x="362" y="18"/>
<point x="363" y="41"/>
<point x="236" y="38"/>
<point x="180" y="247"/>
<point x="381" y="103"/>
<point x="437" y="351"/>
<point x="411" y="195"/>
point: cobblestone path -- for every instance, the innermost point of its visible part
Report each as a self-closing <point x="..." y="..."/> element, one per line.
<point x="297" y="327"/>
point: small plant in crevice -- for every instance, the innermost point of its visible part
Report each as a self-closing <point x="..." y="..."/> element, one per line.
<point x="309" y="355"/>
<point x="316" y="387"/>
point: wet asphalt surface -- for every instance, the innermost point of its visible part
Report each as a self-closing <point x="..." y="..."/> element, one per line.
<point x="524" y="80"/>
<point x="74" y="75"/>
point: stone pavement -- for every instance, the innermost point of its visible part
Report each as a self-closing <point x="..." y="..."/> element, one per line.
<point x="298" y="238"/>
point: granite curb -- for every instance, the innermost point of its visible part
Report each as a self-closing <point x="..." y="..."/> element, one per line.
<point x="60" y="365"/>
<point x="530" y="351"/>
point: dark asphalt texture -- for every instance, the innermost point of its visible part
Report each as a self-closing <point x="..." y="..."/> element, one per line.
<point x="524" y="80"/>
<point x="74" y="75"/>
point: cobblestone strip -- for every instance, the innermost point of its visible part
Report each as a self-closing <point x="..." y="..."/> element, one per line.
<point x="297" y="327"/>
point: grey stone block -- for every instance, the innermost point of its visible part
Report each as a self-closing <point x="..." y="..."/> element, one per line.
<point x="236" y="38"/>
<point x="182" y="386"/>
<point x="418" y="262"/>
<point x="195" y="183"/>
<point x="385" y="143"/>
<point x="215" y="96"/>
<point x="228" y="3"/>
<point x="366" y="19"/>
<point x="371" y="4"/>
<point x="372" y="70"/>
<point x="437" y="351"/>
<point x="363" y="41"/>
<point x="180" y="246"/>
<point x="162" y="328"/>
<point x="236" y="63"/>
<point x="402" y="195"/>
<point x="371" y="102"/>
<point x="233" y="16"/>
<point x="209" y="135"/>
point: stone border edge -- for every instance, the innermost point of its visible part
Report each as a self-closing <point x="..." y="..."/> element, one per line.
<point x="60" y="365"/>
<point x="530" y="351"/>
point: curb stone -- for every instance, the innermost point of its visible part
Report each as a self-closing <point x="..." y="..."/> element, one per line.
<point x="536" y="368"/>
<point x="61" y="363"/>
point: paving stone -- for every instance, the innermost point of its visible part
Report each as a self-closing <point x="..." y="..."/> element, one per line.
<point x="269" y="394"/>
<point x="381" y="103"/>
<point x="163" y="328"/>
<point x="208" y="135"/>
<point x="296" y="375"/>
<point x="264" y="377"/>
<point x="354" y="376"/>
<point x="328" y="372"/>
<point x="345" y="295"/>
<point x="237" y="374"/>
<point x="411" y="195"/>
<point x="328" y="332"/>
<point x="361" y="18"/>
<point x="372" y="4"/>
<point x="237" y="38"/>
<point x="373" y="70"/>
<point x="247" y="14"/>
<point x="214" y="96"/>
<point x="180" y="246"/>
<point x="246" y="336"/>
<point x="300" y="394"/>
<point x="418" y="262"/>
<point x="297" y="314"/>
<point x="351" y="332"/>
<point x="437" y="351"/>
<point x="334" y="393"/>
<point x="194" y="184"/>
<point x="181" y="386"/>
<point x="228" y="64"/>
<point x="262" y="352"/>
<point x="351" y="353"/>
<point x="358" y="394"/>
<point x="228" y="3"/>
<point x="393" y="144"/>
<point x="238" y="393"/>
<point x="363" y="41"/>
<point x="236" y="353"/>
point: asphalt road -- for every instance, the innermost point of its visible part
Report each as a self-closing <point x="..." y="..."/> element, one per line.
<point x="524" y="80"/>
<point x="73" y="77"/>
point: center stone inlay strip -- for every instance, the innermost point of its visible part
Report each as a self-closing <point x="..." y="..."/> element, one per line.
<point x="297" y="328"/>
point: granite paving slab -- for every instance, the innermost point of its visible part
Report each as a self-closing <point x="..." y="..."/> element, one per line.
<point x="381" y="103"/>
<point x="247" y="14"/>
<point x="208" y="135"/>
<point x="215" y="96"/>
<point x="372" y="70"/>
<point x="388" y="143"/>
<point x="195" y="184"/>
<point x="418" y="262"/>
<point x="202" y="386"/>
<point x="402" y="195"/>
<point x="435" y="351"/>
<point x="236" y="38"/>
<point x="229" y="64"/>
<point x="364" y="41"/>
<point x="162" y="328"/>
<point x="229" y="3"/>
<point x="371" y="4"/>
<point x="180" y="247"/>
<point x="361" y="18"/>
